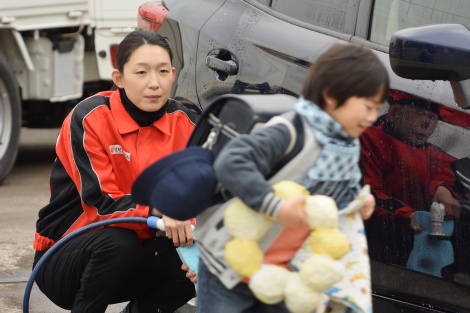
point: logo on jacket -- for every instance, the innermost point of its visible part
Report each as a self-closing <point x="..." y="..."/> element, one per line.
<point x="117" y="149"/>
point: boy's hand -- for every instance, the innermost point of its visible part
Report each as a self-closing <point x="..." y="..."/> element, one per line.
<point x="368" y="208"/>
<point x="191" y="275"/>
<point x="179" y="231"/>
<point x="291" y="213"/>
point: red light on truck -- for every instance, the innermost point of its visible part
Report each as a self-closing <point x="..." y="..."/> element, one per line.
<point x="151" y="15"/>
<point x="112" y="52"/>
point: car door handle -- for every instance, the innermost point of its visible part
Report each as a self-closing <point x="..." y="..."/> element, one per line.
<point x="229" y="67"/>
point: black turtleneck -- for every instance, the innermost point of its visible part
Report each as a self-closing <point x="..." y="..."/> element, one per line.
<point x="141" y="117"/>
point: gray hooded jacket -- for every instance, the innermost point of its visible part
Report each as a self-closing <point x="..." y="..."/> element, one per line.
<point x="268" y="146"/>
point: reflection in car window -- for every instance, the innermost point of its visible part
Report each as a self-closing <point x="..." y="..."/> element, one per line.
<point x="392" y="15"/>
<point x="422" y="219"/>
<point x="329" y="14"/>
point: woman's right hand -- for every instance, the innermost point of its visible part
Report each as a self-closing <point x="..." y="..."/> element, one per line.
<point x="180" y="232"/>
<point x="452" y="207"/>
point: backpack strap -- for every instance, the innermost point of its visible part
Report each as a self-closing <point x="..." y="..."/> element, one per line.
<point x="294" y="123"/>
<point x="302" y="157"/>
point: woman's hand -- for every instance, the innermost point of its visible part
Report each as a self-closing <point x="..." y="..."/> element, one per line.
<point x="416" y="228"/>
<point x="368" y="208"/>
<point x="452" y="207"/>
<point x="179" y="231"/>
<point x="189" y="274"/>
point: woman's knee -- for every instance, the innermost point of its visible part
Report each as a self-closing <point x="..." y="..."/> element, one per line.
<point x="121" y="245"/>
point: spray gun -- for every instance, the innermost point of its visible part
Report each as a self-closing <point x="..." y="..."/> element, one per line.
<point x="188" y="255"/>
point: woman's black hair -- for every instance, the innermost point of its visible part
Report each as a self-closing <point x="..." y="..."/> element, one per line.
<point x="134" y="40"/>
<point x="344" y="71"/>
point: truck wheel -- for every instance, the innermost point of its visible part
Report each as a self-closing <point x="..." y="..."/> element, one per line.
<point x="10" y="119"/>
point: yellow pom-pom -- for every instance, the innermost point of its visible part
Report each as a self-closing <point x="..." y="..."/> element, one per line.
<point x="268" y="283"/>
<point x="243" y="222"/>
<point x="299" y="298"/>
<point x="321" y="212"/>
<point x="329" y="241"/>
<point x="287" y="190"/>
<point x="244" y="256"/>
<point x="320" y="272"/>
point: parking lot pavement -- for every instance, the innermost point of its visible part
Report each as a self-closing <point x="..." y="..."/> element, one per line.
<point x="22" y="194"/>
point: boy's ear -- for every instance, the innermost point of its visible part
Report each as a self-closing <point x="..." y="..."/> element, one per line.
<point x="117" y="78"/>
<point x="329" y="101"/>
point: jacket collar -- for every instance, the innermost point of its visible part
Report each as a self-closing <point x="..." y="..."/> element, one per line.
<point x="126" y="124"/>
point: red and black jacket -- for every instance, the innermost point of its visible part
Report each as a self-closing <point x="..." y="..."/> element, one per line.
<point x="403" y="178"/>
<point x="100" y="152"/>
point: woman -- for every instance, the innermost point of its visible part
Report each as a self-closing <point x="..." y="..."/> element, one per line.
<point x="104" y="144"/>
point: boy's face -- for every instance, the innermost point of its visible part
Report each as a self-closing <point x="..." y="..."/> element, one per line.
<point x="356" y="114"/>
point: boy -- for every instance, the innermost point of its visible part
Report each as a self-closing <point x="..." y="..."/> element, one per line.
<point x="341" y="96"/>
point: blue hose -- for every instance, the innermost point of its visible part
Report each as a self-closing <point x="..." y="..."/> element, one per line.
<point x="63" y="241"/>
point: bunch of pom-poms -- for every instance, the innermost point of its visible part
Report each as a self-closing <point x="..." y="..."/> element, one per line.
<point x="272" y="284"/>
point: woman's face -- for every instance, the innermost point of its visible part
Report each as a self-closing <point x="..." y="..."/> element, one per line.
<point x="147" y="77"/>
<point x="413" y="124"/>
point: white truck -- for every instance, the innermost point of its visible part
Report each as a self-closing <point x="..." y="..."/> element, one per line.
<point x="52" y="54"/>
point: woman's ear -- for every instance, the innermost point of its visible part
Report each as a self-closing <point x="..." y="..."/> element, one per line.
<point x="117" y="78"/>
<point x="330" y="102"/>
<point x="173" y="71"/>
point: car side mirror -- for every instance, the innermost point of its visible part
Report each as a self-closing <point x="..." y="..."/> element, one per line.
<point x="434" y="52"/>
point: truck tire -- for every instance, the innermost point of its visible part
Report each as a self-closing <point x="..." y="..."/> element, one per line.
<point x="10" y="119"/>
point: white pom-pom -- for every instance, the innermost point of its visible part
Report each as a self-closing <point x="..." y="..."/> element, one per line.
<point x="321" y="211"/>
<point x="320" y="272"/>
<point x="268" y="283"/>
<point x="299" y="298"/>
<point x="245" y="223"/>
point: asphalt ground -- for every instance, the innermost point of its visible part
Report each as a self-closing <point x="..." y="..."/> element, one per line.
<point x="22" y="194"/>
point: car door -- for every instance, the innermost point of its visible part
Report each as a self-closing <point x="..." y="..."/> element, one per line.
<point x="262" y="47"/>
<point x="414" y="271"/>
<point x="265" y="47"/>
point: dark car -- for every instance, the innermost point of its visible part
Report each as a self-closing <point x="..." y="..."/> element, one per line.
<point x="419" y="236"/>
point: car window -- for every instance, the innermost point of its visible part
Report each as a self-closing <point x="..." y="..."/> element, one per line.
<point x="391" y="15"/>
<point x="413" y="149"/>
<point x="330" y="14"/>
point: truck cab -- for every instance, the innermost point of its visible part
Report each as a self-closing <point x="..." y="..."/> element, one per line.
<point x="53" y="54"/>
